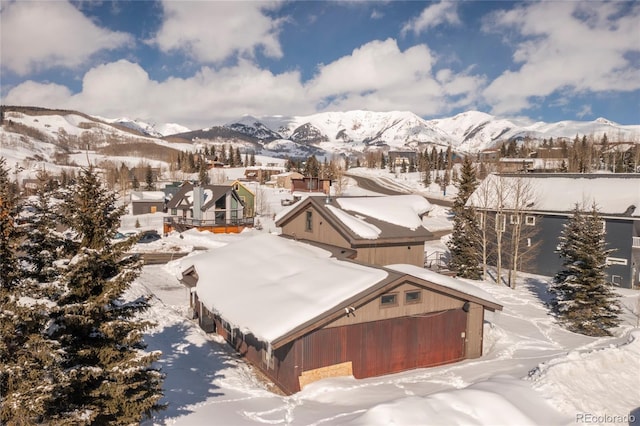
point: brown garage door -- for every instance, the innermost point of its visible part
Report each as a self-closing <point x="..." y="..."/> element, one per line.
<point x="398" y="344"/>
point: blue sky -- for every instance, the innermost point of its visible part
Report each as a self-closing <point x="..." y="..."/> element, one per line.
<point x="200" y="63"/>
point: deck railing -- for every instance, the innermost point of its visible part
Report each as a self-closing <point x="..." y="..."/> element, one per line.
<point x="241" y="221"/>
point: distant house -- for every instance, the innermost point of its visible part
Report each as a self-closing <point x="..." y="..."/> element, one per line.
<point x="299" y="315"/>
<point x="617" y="197"/>
<point x="283" y="180"/>
<point x="398" y="157"/>
<point x="147" y="202"/>
<point x="516" y="165"/>
<point x="372" y="230"/>
<point x="310" y="184"/>
<point x="216" y="208"/>
<point x="261" y="174"/>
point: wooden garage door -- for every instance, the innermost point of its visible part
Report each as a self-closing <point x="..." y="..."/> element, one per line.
<point x="398" y="344"/>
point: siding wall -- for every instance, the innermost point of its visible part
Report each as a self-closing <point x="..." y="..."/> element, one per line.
<point x="320" y="230"/>
<point x="412" y="254"/>
<point x="372" y="310"/>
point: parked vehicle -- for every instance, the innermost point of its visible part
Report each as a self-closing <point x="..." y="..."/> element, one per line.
<point x="149" y="237"/>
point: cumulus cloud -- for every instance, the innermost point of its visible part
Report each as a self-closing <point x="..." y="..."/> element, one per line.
<point x="377" y="76"/>
<point x="445" y="12"/>
<point x="41" y="35"/>
<point x="208" y="97"/>
<point x="212" y="31"/>
<point x="565" y="46"/>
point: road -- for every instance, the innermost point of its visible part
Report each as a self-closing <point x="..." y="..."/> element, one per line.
<point x="372" y="185"/>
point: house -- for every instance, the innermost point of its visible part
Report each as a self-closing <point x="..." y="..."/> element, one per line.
<point x="247" y="196"/>
<point x="283" y="180"/>
<point x="216" y="208"/>
<point x="372" y="230"/>
<point x="261" y="174"/>
<point x="310" y="184"/>
<point x="617" y="197"/>
<point x="398" y="157"/>
<point x="147" y="202"/>
<point x="514" y="165"/>
<point x="300" y="315"/>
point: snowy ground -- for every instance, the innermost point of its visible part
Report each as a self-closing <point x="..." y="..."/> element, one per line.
<point x="532" y="372"/>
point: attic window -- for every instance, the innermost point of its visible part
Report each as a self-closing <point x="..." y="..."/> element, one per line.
<point x="412" y="296"/>
<point x="387" y="300"/>
<point x="308" y="224"/>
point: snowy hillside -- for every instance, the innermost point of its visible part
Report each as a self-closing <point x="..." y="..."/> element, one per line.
<point x="153" y="130"/>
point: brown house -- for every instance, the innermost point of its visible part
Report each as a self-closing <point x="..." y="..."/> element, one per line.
<point x="311" y="184"/>
<point x="299" y="315"/>
<point x="362" y="228"/>
<point x="261" y="174"/>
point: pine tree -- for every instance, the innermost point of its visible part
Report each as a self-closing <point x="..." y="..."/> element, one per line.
<point x="465" y="244"/>
<point x="584" y="302"/>
<point x="29" y="377"/>
<point x="151" y="186"/>
<point x="111" y="380"/>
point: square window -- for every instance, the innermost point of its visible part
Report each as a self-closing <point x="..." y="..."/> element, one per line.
<point x="412" y="296"/>
<point x="514" y="219"/>
<point x="530" y="220"/>
<point x="389" y="300"/>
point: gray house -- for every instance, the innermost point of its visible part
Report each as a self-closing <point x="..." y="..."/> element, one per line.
<point x="549" y="204"/>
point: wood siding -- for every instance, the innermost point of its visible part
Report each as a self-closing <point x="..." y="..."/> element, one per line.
<point x="412" y="254"/>
<point x="474" y="331"/>
<point x="431" y="301"/>
<point x="320" y="231"/>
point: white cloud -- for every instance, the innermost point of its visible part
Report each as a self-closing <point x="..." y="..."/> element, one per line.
<point x="377" y="76"/>
<point x="584" y="112"/>
<point x="215" y="30"/>
<point x="376" y="14"/>
<point x="445" y="12"/>
<point x="209" y="97"/>
<point x="43" y="34"/>
<point x="565" y="46"/>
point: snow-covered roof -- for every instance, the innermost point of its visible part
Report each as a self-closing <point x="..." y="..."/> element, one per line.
<point x="147" y="196"/>
<point x="287" y="284"/>
<point x="357" y="225"/>
<point x="444" y="281"/>
<point x="401" y="210"/>
<point x="613" y="194"/>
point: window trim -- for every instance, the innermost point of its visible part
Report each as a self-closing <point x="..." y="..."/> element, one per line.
<point x="501" y="219"/>
<point x="413" y="301"/>
<point x="389" y="304"/>
<point x="530" y="220"/>
<point x="514" y="219"/>
<point x="616" y="261"/>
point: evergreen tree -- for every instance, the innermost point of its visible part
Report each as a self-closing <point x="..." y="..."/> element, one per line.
<point x="312" y="167"/>
<point x="584" y="302"/>
<point x="252" y="160"/>
<point x="148" y="178"/>
<point x="203" y="174"/>
<point x="111" y="380"/>
<point x="238" y="157"/>
<point x="135" y="184"/>
<point x="29" y="377"/>
<point x="465" y="243"/>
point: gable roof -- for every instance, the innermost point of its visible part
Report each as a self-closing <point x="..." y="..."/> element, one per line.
<point x="293" y="288"/>
<point x="237" y="181"/>
<point x="614" y="194"/>
<point x="360" y="220"/>
<point x="184" y="196"/>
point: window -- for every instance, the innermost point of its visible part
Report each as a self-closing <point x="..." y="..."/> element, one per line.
<point x="530" y="220"/>
<point x="528" y="242"/>
<point x="615" y="261"/>
<point x="514" y="219"/>
<point x="412" y="296"/>
<point x="501" y="222"/>
<point x="174" y="212"/>
<point x="480" y="219"/>
<point x="616" y="280"/>
<point x="309" y="221"/>
<point x="388" y="300"/>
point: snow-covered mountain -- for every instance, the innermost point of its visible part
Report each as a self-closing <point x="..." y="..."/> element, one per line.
<point x="251" y="126"/>
<point x="471" y="131"/>
<point x="156" y="131"/>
